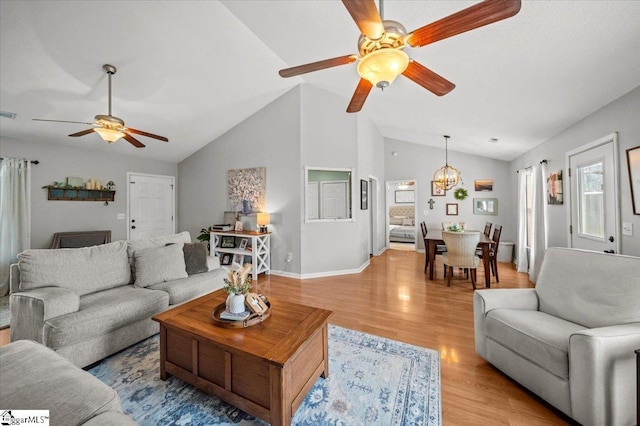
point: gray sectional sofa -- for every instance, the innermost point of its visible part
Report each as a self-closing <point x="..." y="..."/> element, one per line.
<point x="88" y="303"/>
<point x="34" y="377"/>
<point x="570" y="340"/>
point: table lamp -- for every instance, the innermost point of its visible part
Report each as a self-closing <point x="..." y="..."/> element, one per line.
<point x="263" y="220"/>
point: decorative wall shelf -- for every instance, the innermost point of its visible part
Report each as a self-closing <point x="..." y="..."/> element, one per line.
<point x="79" y="194"/>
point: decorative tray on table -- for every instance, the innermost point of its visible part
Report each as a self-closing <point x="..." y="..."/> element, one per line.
<point x="252" y="319"/>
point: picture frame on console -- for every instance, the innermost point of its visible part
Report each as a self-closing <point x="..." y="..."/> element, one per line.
<point x="227" y="241"/>
<point x="226" y="259"/>
<point x="243" y="244"/>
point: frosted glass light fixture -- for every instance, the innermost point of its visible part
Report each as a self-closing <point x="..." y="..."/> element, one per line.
<point x="382" y="66"/>
<point x="108" y="135"/>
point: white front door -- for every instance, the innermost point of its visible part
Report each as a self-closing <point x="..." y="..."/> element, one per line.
<point x="594" y="208"/>
<point x="333" y="200"/>
<point x="151" y="206"/>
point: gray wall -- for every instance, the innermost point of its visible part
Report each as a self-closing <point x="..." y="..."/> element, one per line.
<point x="419" y="162"/>
<point x="305" y="127"/>
<point x="270" y="138"/>
<point x="56" y="163"/>
<point x="622" y="116"/>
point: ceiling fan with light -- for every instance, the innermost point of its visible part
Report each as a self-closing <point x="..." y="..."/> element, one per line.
<point x="382" y="42"/>
<point x="109" y="127"/>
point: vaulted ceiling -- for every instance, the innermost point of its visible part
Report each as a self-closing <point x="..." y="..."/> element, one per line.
<point x="191" y="70"/>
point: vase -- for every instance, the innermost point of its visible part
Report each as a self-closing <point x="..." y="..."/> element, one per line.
<point x="235" y="303"/>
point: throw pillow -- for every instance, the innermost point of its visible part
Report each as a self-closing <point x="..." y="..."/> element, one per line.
<point x="159" y="264"/>
<point x="407" y="222"/>
<point x="195" y="257"/>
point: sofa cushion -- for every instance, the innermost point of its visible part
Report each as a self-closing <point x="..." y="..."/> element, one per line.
<point x="83" y="270"/>
<point x="605" y="293"/>
<point x="195" y="257"/>
<point x="103" y="312"/>
<point x="159" y="264"/>
<point x="194" y="286"/>
<point x="34" y="377"/>
<point x="535" y="336"/>
<point x="133" y="245"/>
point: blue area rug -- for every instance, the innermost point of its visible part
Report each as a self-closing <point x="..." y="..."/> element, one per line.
<point x="372" y="381"/>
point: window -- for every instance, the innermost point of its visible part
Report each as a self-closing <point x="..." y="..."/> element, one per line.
<point x="328" y="194"/>
<point x="591" y="200"/>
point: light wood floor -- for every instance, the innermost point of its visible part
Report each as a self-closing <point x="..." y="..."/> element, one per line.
<point x="394" y="299"/>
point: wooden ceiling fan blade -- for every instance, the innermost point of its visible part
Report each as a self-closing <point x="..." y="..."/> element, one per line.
<point x="476" y="16"/>
<point x="367" y="17"/>
<point x="428" y="79"/>
<point x="62" y="121"/>
<point x="82" y="133"/>
<point x="360" y="95"/>
<point x="316" y="66"/>
<point x="133" y="141"/>
<point x="147" y="134"/>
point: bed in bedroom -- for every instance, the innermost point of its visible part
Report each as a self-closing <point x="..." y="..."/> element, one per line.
<point x="402" y="226"/>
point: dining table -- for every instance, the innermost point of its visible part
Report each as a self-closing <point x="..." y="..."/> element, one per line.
<point x="434" y="237"/>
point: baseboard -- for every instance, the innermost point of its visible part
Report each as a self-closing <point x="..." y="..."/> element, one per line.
<point x="382" y="250"/>
<point x="321" y="274"/>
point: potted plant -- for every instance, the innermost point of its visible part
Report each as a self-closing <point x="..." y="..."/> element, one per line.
<point x="205" y="235"/>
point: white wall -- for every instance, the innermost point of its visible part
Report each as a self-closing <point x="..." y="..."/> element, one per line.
<point x="270" y="138"/>
<point x="329" y="139"/>
<point x="371" y="163"/>
<point x="56" y="164"/>
<point x="622" y="116"/>
<point x="419" y="162"/>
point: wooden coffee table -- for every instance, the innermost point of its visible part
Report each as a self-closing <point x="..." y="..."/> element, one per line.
<point x="266" y="369"/>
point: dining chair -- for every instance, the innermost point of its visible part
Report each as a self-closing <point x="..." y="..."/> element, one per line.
<point x="493" y="251"/>
<point x="461" y="253"/>
<point x="439" y="247"/>
<point x="487" y="229"/>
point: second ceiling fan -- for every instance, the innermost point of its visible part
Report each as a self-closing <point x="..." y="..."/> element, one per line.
<point x="109" y="127"/>
<point x="382" y="42"/>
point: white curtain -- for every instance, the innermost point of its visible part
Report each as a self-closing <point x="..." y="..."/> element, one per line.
<point x="539" y="246"/>
<point x="15" y="214"/>
<point x="523" y="261"/>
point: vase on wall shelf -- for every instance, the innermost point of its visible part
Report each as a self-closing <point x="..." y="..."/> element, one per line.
<point x="235" y="303"/>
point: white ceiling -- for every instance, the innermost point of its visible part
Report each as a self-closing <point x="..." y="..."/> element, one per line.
<point x="191" y="70"/>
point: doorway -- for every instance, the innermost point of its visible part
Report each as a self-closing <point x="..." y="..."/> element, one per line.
<point x="374" y="233"/>
<point x="594" y="208"/>
<point x="401" y="229"/>
<point x="150" y="206"/>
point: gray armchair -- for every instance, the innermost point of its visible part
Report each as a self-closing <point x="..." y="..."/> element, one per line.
<point x="570" y="340"/>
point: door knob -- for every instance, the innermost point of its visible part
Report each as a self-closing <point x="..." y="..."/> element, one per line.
<point x="133" y="227"/>
<point x="611" y="238"/>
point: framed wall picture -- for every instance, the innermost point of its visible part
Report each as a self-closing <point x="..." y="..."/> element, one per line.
<point x="483" y="184"/>
<point x="452" y="209"/>
<point x="227" y="241"/>
<point x="226" y="259"/>
<point x="364" y="194"/>
<point x="436" y="191"/>
<point x="243" y="244"/>
<point x="405" y="197"/>
<point x="485" y="206"/>
<point x="554" y="188"/>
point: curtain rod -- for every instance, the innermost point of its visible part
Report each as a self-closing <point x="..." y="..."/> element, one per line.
<point x="32" y="162"/>
<point x="528" y="167"/>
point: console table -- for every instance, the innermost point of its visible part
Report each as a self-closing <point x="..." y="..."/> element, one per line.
<point x="258" y="247"/>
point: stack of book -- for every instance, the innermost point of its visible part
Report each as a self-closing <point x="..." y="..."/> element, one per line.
<point x="234" y="317"/>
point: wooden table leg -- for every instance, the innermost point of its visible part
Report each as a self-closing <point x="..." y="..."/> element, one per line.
<point x="432" y="257"/>
<point x="487" y="264"/>
<point x="325" y="344"/>
<point x="163" y="352"/>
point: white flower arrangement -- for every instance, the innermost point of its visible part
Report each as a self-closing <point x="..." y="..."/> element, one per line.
<point x="455" y="227"/>
<point x="238" y="282"/>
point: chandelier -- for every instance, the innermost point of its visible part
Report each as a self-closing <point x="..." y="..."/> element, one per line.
<point x="446" y="177"/>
